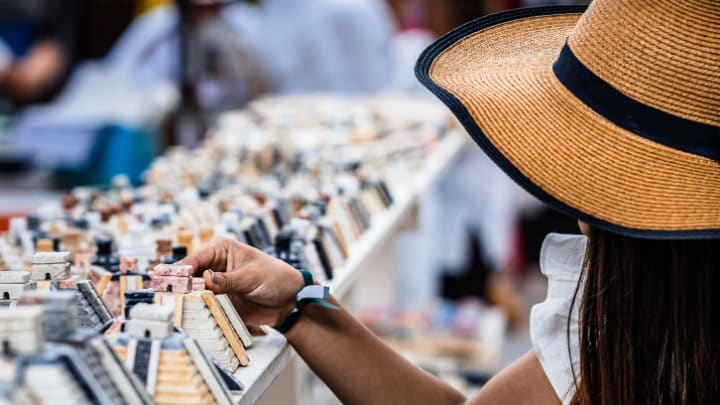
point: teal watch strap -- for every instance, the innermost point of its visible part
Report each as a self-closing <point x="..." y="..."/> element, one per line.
<point x="310" y="294"/>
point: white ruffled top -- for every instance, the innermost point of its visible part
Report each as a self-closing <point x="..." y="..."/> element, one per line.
<point x="561" y="260"/>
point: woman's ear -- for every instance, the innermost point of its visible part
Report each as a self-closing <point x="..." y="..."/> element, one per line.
<point x="584" y="228"/>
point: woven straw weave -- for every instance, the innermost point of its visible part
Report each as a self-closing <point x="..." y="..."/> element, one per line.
<point x="503" y="77"/>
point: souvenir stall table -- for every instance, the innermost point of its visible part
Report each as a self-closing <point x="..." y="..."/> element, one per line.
<point x="323" y="183"/>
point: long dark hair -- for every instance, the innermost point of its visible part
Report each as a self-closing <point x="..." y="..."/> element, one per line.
<point x="649" y="321"/>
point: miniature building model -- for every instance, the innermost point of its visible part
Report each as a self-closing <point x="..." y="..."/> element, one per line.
<point x="171" y="364"/>
<point x="93" y="312"/>
<point x="59" y="363"/>
<point x="48" y="266"/>
<point x="205" y="320"/>
<point x="50" y="381"/>
<point x="12" y="285"/>
<point x="172" y="278"/>
<point x="208" y="318"/>
<point x="80" y="372"/>
<point x="51" y="272"/>
<point x="21" y="330"/>
<point x="59" y="317"/>
<point x="134" y="297"/>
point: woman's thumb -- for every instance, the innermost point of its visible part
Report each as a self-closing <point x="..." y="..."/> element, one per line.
<point x="216" y="282"/>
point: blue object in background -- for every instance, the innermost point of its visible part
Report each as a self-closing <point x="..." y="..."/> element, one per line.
<point x="18" y="35"/>
<point x="116" y="150"/>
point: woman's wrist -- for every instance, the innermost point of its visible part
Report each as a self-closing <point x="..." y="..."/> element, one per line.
<point x="296" y="284"/>
<point x="311" y="294"/>
<point x="299" y="330"/>
<point x="313" y="317"/>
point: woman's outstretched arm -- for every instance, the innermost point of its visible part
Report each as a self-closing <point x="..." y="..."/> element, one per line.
<point x="357" y="366"/>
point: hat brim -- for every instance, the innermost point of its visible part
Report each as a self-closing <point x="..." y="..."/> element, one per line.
<point x="496" y="76"/>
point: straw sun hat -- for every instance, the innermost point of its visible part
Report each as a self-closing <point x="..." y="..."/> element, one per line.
<point x="610" y="115"/>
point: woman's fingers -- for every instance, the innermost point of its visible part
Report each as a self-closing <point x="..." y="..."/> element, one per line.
<point x="212" y="282"/>
<point x="228" y="282"/>
<point x="250" y="277"/>
<point x="211" y="256"/>
<point x="221" y="283"/>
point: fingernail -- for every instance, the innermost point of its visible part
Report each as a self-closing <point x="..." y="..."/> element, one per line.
<point x="213" y="277"/>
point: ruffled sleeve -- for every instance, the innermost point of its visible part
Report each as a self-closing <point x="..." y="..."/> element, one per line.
<point x="561" y="260"/>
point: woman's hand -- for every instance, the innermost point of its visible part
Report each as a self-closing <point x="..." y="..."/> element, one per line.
<point x="262" y="288"/>
<point x="264" y="291"/>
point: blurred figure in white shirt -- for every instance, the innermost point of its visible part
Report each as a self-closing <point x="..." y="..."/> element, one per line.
<point x="223" y="66"/>
<point x="320" y="46"/>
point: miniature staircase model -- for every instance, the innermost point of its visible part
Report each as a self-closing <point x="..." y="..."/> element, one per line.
<point x="58" y="363"/>
<point x="53" y="383"/>
<point x="203" y="323"/>
<point x="93" y="312"/>
<point x="171" y="364"/>
<point x="51" y="272"/>
<point x="210" y="319"/>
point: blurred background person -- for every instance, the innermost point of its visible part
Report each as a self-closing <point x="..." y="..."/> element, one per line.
<point x="42" y="42"/>
<point x="319" y="46"/>
<point x="37" y="49"/>
<point x="192" y="31"/>
<point x="187" y="44"/>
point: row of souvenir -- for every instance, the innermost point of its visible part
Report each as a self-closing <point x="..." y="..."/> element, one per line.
<point x="158" y="355"/>
<point x="304" y="195"/>
<point x="325" y="208"/>
<point x="315" y="235"/>
<point x="303" y="145"/>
